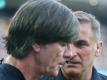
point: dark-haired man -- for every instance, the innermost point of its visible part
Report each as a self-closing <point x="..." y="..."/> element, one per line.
<point x="39" y="35"/>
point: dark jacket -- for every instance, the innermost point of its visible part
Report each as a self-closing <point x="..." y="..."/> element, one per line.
<point x="95" y="76"/>
<point x="8" y="72"/>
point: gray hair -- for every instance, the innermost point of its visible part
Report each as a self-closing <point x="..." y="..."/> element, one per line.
<point x="86" y="17"/>
<point x="43" y="22"/>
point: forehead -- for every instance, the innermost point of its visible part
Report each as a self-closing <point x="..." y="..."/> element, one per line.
<point x="86" y="31"/>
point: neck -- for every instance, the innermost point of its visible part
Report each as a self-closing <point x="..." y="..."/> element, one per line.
<point x="85" y="75"/>
<point x="27" y="66"/>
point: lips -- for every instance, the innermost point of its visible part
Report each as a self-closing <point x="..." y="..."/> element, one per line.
<point x="73" y="62"/>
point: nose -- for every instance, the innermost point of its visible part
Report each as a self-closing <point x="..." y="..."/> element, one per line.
<point x="69" y="52"/>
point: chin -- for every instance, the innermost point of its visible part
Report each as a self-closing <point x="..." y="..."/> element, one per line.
<point x="55" y="73"/>
<point x="73" y="73"/>
<point x="52" y="72"/>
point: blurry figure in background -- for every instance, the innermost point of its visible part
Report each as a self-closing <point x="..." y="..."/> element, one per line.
<point x="3" y="32"/>
<point x="1" y="60"/>
<point x="4" y="23"/>
<point x="79" y="65"/>
<point x="39" y="35"/>
<point x="2" y="47"/>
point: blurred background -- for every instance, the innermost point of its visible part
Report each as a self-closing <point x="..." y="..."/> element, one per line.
<point x="95" y="7"/>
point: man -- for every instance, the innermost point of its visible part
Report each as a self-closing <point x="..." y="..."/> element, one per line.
<point x="79" y="65"/>
<point x="39" y="35"/>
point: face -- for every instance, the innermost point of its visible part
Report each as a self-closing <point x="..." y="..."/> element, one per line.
<point x="50" y="58"/>
<point x="83" y="52"/>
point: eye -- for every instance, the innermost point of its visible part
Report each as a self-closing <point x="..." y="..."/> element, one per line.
<point x="63" y="44"/>
<point x="81" y="44"/>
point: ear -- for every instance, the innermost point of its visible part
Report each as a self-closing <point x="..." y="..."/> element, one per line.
<point x="99" y="48"/>
<point x="36" y="47"/>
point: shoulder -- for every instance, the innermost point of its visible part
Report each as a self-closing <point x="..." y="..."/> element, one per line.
<point x="8" y="72"/>
<point x="2" y="72"/>
<point x="98" y="76"/>
<point x="103" y="77"/>
<point x="2" y="76"/>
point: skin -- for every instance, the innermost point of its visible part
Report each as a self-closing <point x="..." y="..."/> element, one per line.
<point x="79" y="65"/>
<point x="50" y="57"/>
<point x="41" y="60"/>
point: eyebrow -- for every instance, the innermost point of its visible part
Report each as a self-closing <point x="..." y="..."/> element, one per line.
<point x="80" y="41"/>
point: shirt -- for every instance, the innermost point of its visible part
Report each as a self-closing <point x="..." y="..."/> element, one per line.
<point x="9" y="72"/>
<point x="95" y="76"/>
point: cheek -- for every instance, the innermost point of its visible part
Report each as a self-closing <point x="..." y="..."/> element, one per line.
<point x="86" y="53"/>
<point x="57" y="55"/>
<point x="58" y="51"/>
<point x="87" y="56"/>
<point x="53" y="54"/>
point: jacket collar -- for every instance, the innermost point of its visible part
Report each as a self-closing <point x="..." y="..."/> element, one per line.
<point x="95" y="75"/>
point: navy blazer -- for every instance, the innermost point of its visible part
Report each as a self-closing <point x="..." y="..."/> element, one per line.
<point x="95" y="76"/>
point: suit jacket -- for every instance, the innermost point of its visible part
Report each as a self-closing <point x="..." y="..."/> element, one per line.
<point x="95" y="76"/>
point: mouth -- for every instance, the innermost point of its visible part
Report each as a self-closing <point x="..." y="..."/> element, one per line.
<point x="73" y="62"/>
